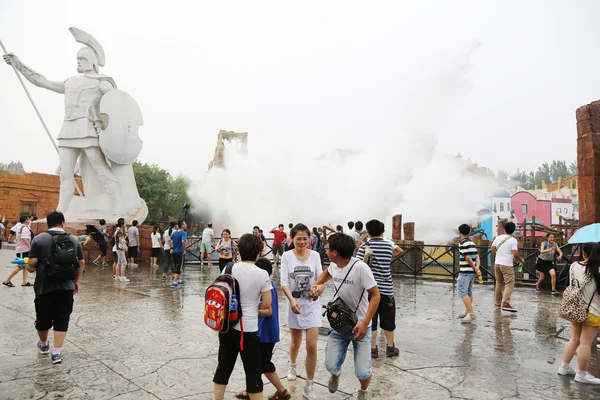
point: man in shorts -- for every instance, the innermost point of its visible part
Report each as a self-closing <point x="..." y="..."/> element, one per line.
<point x="178" y="243"/>
<point x="53" y="299"/>
<point x="469" y="268"/>
<point x="133" y="234"/>
<point x="279" y="236"/>
<point x="206" y="247"/>
<point x="102" y="244"/>
<point x="382" y="252"/>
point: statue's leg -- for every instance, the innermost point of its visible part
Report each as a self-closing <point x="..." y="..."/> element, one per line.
<point x="105" y="175"/>
<point x="68" y="159"/>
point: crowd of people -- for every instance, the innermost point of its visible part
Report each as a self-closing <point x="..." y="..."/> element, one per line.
<point x="359" y="272"/>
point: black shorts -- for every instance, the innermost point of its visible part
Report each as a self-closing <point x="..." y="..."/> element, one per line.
<point x="266" y="352"/>
<point x="544" y="265"/>
<point x="177" y="263"/>
<point x="386" y="313"/>
<point x="229" y="347"/>
<point x="24" y="254"/>
<point x="115" y="258"/>
<point x="155" y="252"/>
<point x="132" y="253"/>
<point x="103" y="249"/>
<point x="53" y="309"/>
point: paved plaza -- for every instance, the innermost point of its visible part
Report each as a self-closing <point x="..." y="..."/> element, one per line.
<point x="144" y="340"/>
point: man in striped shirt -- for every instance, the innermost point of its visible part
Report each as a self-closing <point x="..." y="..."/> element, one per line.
<point x="469" y="268"/>
<point x="378" y="253"/>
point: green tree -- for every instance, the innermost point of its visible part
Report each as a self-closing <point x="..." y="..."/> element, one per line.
<point x="4" y="168"/>
<point x="164" y="195"/>
<point x="547" y="173"/>
<point x="573" y="168"/>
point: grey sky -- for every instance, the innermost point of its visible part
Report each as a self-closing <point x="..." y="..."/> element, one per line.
<point x="508" y="76"/>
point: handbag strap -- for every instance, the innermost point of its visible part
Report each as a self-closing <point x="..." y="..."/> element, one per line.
<point x="344" y="281"/>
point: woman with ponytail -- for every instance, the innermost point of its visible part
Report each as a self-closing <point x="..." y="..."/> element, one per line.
<point x="587" y="274"/>
<point x="167" y="248"/>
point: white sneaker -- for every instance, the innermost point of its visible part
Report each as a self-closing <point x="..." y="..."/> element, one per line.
<point x="291" y="376"/>
<point x="566" y="370"/>
<point x="123" y="279"/>
<point x="468" y="319"/>
<point x="309" y="391"/>
<point x="587" y="378"/>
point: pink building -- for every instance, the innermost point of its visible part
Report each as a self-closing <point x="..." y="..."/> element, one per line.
<point x="526" y="206"/>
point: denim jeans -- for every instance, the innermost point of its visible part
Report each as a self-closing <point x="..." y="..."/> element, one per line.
<point x="337" y="347"/>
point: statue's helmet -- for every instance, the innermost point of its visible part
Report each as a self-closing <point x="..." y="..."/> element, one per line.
<point x="90" y="55"/>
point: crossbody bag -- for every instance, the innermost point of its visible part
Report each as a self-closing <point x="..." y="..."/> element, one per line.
<point x="341" y="317"/>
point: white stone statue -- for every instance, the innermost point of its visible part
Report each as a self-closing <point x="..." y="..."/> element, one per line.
<point x="100" y="129"/>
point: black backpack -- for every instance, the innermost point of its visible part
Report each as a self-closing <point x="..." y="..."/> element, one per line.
<point x="63" y="263"/>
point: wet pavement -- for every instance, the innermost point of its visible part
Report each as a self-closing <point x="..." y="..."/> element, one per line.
<point x="143" y="340"/>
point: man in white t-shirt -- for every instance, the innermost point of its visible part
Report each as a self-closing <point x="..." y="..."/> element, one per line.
<point x="207" y="244"/>
<point x="358" y="289"/>
<point x="506" y="249"/>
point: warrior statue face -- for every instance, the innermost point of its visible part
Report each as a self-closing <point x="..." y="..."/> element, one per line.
<point x="86" y="60"/>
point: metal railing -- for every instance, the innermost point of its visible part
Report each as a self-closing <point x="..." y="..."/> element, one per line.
<point x="437" y="261"/>
<point x="442" y="262"/>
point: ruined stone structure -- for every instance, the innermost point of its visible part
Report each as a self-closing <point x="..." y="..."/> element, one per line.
<point x="218" y="159"/>
<point x="588" y="162"/>
<point x="29" y="193"/>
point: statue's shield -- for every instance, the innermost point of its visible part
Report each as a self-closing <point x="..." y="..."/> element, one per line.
<point x="120" y="141"/>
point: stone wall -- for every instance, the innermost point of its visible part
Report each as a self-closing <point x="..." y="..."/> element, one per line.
<point x="38" y="190"/>
<point x="588" y="162"/>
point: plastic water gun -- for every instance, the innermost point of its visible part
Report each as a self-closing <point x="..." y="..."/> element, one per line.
<point x="20" y="262"/>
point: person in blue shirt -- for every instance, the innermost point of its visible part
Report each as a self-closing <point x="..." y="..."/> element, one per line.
<point x="178" y="245"/>
<point x="268" y="332"/>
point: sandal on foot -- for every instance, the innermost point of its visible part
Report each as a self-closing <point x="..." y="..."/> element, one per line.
<point x="8" y="284"/>
<point x="285" y="395"/>
<point x="27" y="284"/>
<point x="242" y="395"/>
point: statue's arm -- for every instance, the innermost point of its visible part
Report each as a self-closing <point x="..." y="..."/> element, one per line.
<point x="34" y="77"/>
<point x="106" y="87"/>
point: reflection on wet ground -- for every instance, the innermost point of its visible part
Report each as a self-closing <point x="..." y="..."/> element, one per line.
<point x="144" y="340"/>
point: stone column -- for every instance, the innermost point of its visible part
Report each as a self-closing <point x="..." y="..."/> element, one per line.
<point x="588" y="162"/>
<point x="409" y="231"/>
<point x="397" y="227"/>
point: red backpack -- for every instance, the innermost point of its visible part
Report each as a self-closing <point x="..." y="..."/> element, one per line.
<point x="222" y="306"/>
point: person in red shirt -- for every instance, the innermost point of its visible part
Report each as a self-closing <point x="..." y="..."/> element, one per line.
<point x="280" y="236"/>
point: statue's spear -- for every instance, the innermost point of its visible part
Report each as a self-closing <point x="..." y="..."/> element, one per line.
<point x="36" y="109"/>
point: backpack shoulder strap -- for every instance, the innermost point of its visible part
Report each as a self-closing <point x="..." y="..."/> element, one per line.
<point x="228" y="269"/>
<point x="504" y="241"/>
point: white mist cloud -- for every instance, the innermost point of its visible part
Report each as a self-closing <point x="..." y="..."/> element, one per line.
<point x="402" y="170"/>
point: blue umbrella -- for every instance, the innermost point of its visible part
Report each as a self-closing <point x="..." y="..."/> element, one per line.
<point x="587" y="234"/>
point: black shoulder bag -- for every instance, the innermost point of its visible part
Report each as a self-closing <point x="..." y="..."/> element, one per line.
<point x="341" y="318"/>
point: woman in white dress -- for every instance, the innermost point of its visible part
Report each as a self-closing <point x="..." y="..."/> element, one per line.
<point x="300" y="268"/>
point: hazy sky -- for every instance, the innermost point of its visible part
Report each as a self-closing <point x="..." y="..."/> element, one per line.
<point x="498" y="82"/>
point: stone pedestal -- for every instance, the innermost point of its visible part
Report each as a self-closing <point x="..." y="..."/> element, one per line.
<point x="397" y="227"/>
<point x="588" y="162"/>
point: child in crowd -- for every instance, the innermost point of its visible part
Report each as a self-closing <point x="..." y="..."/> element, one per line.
<point x="268" y="331"/>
